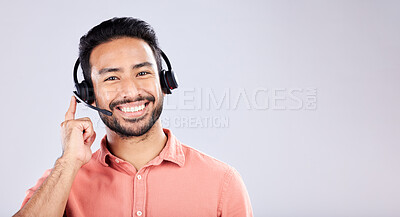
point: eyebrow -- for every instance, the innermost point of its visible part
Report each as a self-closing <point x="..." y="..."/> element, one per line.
<point x="139" y="65"/>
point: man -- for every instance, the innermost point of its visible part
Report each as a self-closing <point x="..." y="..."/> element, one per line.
<point x="141" y="169"/>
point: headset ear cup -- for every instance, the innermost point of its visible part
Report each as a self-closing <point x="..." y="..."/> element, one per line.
<point x="85" y="92"/>
<point x="164" y="84"/>
<point x="79" y="92"/>
<point x="89" y="93"/>
<point x="172" y="80"/>
<point x="167" y="77"/>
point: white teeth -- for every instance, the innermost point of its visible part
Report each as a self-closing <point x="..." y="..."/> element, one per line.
<point x="133" y="109"/>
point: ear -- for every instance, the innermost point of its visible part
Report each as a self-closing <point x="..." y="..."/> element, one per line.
<point x="93" y="103"/>
<point x="94" y="100"/>
<point x="93" y="94"/>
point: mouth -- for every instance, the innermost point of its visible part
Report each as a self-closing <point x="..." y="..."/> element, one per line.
<point x="135" y="109"/>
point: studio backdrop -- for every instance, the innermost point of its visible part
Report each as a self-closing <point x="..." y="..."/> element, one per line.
<point x="301" y="97"/>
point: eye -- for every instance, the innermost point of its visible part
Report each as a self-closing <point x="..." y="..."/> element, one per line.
<point x="111" y="78"/>
<point x="143" y="73"/>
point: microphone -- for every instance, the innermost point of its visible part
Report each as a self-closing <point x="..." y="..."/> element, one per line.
<point x="106" y="112"/>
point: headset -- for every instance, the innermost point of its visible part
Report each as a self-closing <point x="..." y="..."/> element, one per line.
<point x="84" y="91"/>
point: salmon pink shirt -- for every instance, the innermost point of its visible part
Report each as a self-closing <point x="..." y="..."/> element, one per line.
<point x="180" y="181"/>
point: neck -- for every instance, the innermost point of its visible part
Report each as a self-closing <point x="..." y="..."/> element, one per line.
<point x="138" y="151"/>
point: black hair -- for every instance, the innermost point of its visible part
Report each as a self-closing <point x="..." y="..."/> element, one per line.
<point x="113" y="29"/>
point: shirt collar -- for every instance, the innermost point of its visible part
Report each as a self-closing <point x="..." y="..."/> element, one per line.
<point x="171" y="152"/>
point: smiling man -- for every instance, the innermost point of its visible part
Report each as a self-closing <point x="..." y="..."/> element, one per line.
<point x="141" y="168"/>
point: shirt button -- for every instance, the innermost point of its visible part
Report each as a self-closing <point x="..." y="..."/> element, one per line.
<point x="116" y="160"/>
<point x="139" y="213"/>
<point x="139" y="177"/>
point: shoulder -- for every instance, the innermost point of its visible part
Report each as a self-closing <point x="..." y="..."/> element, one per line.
<point x="202" y="161"/>
<point x="233" y="196"/>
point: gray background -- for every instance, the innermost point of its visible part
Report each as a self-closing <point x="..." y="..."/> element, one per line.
<point x="338" y="159"/>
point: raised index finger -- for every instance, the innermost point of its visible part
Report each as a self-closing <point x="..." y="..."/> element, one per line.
<point x="70" y="115"/>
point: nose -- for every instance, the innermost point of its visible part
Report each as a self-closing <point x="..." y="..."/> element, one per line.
<point x="129" y="88"/>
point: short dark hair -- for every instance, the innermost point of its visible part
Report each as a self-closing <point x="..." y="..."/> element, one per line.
<point x="113" y="29"/>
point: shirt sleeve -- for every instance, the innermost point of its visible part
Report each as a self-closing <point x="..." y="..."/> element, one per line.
<point x="235" y="200"/>
<point x="32" y="190"/>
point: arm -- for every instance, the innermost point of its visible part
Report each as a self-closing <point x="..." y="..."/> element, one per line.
<point x="51" y="197"/>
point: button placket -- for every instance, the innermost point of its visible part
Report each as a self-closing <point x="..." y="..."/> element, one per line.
<point x="140" y="191"/>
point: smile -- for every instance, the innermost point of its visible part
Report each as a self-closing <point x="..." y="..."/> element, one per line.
<point x="135" y="109"/>
<point x="132" y="109"/>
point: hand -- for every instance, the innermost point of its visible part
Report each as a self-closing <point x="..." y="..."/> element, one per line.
<point x="77" y="136"/>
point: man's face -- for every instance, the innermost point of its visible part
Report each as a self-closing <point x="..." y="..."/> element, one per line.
<point x="126" y="81"/>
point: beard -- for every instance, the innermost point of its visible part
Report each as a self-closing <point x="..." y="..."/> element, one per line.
<point x="134" y="127"/>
